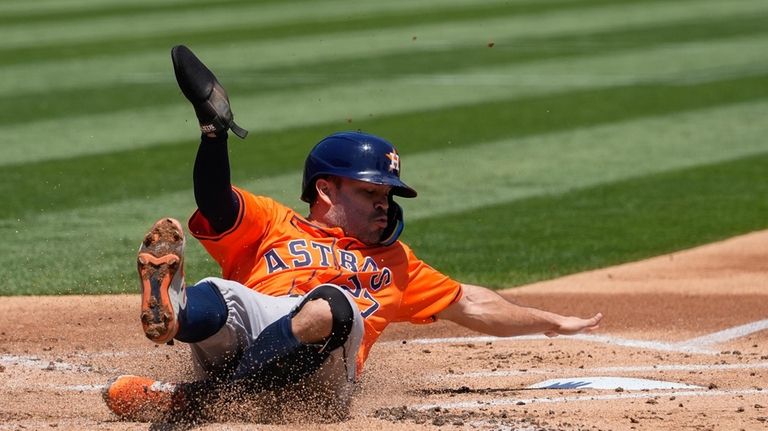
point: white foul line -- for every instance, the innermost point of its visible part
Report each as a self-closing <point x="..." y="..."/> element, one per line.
<point x="633" y="369"/>
<point x="694" y="345"/>
<point x="604" y="339"/>
<point x="620" y="396"/>
<point x="644" y="344"/>
<point x="727" y="334"/>
<point x="35" y="362"/>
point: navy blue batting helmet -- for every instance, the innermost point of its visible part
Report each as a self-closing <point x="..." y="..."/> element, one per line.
<point x="356" y="155"/>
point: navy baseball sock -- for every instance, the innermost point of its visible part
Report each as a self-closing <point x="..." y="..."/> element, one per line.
<point x="276" y="358"/>
<point x="205" y="314"/>
<point x="274" y="342"/>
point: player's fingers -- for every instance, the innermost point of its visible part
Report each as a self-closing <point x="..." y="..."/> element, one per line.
<point x="583" y="325"/>
<point x="594" y="322"/>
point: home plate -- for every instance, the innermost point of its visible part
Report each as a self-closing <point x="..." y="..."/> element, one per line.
<point x="613" y="383"/>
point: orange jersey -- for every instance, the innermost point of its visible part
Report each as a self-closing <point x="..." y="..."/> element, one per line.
<point x="275" y="251"/>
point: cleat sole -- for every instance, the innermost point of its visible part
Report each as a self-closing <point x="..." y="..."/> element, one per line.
<point x="158" y="262"/>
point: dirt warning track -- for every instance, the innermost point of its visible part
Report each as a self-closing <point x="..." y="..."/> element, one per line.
<point x="684" y="345"/>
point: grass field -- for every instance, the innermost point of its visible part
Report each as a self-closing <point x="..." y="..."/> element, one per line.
<point x="544" y="136"/>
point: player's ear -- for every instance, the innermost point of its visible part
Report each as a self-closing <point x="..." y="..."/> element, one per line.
<point x="323" y="190"/>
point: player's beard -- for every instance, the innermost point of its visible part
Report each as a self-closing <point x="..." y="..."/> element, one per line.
<point x="362" y="228"/>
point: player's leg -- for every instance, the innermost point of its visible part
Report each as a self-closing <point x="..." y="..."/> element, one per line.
<point x="169" y="309"/>
<point x="255" y="350"/>
<point x="297" y="344"/>
<point x="332" y="385"/>
<point x="160" y="264"/>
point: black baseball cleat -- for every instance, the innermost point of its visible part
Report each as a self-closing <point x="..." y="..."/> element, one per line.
<point x="208" y="97"/>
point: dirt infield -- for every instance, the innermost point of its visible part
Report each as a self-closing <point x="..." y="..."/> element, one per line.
<point x="695" y="318"/>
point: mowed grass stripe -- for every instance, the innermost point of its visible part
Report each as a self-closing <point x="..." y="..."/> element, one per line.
<point x="56" y="185"/>
<point x="101" y="99"/>
<point x="255" y="21"/>
<point x="551" y="236"/>
<point x="356" y="103"/>
<point x="24" y="7"/>
<point x="108" y="234"/>
<point x="151" y="66"/>
<point x="58" y="12"/>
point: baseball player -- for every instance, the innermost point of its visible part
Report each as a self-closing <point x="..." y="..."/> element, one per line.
<point x="301" y="298"/>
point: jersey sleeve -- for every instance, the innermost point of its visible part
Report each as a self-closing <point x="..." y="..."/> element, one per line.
<point x="428" y="292"/>
<point x="253" y="221"/>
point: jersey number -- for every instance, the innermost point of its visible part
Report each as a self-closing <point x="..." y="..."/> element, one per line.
<point x="357" y="291"/>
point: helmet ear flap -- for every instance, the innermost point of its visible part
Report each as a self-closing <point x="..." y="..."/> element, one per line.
<point x="395" y="223"/>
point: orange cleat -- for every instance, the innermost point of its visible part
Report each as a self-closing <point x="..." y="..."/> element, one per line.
<point x="141" y="399"/>
<point x="161" y="278"/>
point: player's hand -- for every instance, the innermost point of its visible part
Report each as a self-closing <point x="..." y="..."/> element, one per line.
<point x="570" y="325"/>
<point x="207" y="95"/>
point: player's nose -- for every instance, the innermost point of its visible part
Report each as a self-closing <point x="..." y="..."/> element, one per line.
<point x="381" y="204"/>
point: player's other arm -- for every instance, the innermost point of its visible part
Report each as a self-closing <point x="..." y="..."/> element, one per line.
<point x="484" y="310"/>
<point x="214" y="196"/>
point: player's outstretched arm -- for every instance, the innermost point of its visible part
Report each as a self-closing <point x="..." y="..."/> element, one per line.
<point x="486" y="311"/>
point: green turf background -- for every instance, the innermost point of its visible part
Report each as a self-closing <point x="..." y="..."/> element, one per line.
<point x="545" y="136"/>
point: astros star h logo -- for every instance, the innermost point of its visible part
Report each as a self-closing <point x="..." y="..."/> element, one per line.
<point x="394" y="162"/>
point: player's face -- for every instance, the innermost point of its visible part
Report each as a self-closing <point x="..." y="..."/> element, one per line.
<point x="359" y="208"/>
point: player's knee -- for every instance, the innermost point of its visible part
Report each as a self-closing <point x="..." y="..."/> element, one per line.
<point x="313" y="322"/>
<point x="316" y="309"/>
<point x="325" y="317"/>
